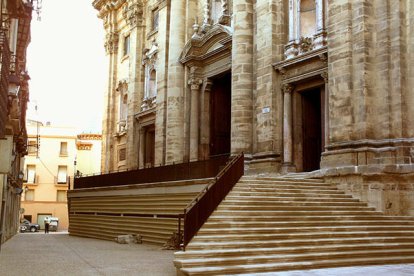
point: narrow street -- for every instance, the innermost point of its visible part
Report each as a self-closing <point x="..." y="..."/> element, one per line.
<point x="61" y="254"/>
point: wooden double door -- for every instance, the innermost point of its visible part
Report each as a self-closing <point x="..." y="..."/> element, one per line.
<point x="313" y="125"/>
<point x="220" y="115"/>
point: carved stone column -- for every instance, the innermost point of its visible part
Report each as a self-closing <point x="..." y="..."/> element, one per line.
<point x="287" y="130"/>
<point x="195" y="84"/>
<point x="325" y="77"/>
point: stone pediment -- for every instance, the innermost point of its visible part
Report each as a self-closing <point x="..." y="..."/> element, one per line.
<point x="202" y="47"/>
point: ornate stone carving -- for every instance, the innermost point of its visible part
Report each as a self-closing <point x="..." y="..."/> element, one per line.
<point x="225" y="18"/>
<point x="111" y="43"/>
<point x="287" y="88"/>
<point x="133" y="14"/>
<point x="195" y="83"/>
<point x="305" y="44"/>
<point x="205" y="27"/>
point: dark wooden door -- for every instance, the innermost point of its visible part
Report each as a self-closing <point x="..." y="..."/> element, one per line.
<point x="220" y="116"/>
<point x="149" y="147"/>
<point x="312" y="122"/>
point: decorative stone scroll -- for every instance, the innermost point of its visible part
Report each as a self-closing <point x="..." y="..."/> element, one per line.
<point x="133" y="14"/>
<point x="111" y="43"/>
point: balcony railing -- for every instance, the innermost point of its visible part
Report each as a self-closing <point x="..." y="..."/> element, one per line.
<point x="4" y="80"/>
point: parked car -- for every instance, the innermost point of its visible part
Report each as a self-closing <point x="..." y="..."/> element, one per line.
<point x="27" y="226"/>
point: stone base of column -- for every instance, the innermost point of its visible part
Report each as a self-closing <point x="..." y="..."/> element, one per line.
<point x="267" y="162"/>
<point x="288" y="168"/>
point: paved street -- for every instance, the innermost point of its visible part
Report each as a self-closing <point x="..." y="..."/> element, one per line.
<point x="61" y="254"/>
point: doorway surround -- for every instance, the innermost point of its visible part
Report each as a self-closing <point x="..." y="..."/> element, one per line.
<point x="301" y="73"/>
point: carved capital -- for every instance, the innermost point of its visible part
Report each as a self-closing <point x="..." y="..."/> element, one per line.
<point x="195" y="83"/>
<point x="287" y="88"/>
<point x="133" y="14"/>
<point x="111" y="43"/>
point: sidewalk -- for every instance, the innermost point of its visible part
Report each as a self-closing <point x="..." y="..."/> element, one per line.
<point x="61" y="254"/>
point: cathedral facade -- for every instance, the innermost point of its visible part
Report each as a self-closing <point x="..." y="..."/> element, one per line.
<point x="318" y="86"/>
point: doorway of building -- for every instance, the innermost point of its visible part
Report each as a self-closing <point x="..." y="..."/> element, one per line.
<point x="312" y="128"/>
<point x="220" y="115"/>
<point x="149" y="152"/>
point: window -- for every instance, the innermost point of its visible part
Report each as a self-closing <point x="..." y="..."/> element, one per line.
<point x="32" y="147"/>
<point x="155" y="16"/>
<point x="29" y="195"/>
<point x="31" y="174"/>
<point x="126" y="45"/>
<point x="61" y="196"/>
<point x="122" y="154"/>
<point x="62" y="175"/>
<point x="63" y="149"/>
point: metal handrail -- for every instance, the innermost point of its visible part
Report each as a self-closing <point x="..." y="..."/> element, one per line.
<point x="200" y="208"/>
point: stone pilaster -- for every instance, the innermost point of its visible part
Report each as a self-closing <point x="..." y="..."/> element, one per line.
<point x="270" y="43"/>
<point x="162" y="80"/>
<point x="175" y="116"/>
<point x="134" y="18"/>
<point x="242" y="78"/>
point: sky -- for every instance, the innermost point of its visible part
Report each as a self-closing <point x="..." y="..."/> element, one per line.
<point x="67" y="65"/>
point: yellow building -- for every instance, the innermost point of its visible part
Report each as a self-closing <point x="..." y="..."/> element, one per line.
<point x="50" y="168"/>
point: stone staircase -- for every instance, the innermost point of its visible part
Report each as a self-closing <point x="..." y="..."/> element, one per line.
<point x="274" y="224"/>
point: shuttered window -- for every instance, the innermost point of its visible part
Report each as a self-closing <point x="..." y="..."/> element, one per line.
<point x="62" y="174"/>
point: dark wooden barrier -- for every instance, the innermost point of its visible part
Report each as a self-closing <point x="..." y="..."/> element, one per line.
<point x="182" y="171"/>
<point x="199" y="210"/>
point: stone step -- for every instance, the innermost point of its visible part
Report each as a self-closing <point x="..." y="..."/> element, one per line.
<point x="264" y="202"/>
<point x="210" y="229"/>
<point x="288" y="195"/>
<point x="321" y="200"/>
<point x="282" y="258"/>
<point x="321" y="263"/>
<point x="283" y="180"/>
<point x="293" y="213"/>
<point x="213" y="253"/>
<point x="287" y="220"/>
<point x="287" y="186"/>
<point x="294" y="242"/>
<point x="265" y="234"/>
<point x="284" y="190"/>
<point x="285" y="207"/>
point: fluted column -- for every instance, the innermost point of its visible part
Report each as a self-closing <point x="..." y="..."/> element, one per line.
<point x="242" y="78"/>
<point x="287" y="129"/>
<point x="176" y="79"/>
<point x="195" y="84"/>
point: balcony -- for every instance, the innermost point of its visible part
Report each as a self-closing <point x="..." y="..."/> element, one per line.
<point x="4" y="80"/>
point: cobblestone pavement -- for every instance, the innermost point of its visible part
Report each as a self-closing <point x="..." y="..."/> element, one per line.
<point x="61" y="254"/>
